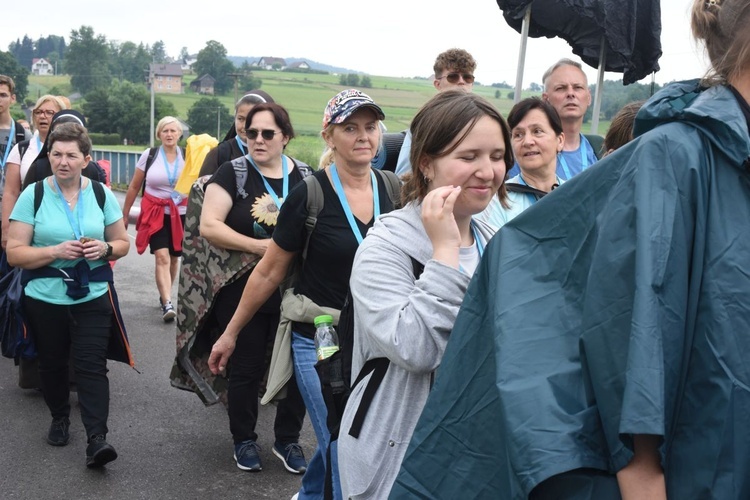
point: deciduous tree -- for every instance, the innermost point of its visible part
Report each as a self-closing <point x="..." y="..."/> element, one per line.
<point x="9" y="66"/>
<point x="87" y="60"/>
<point x="209" y="116"/>
<point x="212" y="60"/>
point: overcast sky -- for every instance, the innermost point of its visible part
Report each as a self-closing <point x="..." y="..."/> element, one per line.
<point x="382" y="37"/>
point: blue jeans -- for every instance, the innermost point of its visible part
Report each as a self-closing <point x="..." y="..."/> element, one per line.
<point x="303" y="353"/>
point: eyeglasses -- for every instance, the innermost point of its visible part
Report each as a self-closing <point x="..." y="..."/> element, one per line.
<point x="268" y="135"/>
<point x="454" y="77"/>
<point x="48" y="112"/>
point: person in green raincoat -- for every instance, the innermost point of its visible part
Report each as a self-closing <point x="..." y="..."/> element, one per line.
<point x="601" y="349"/>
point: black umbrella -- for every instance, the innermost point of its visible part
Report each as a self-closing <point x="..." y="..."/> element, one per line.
<point x="621" y="36"/>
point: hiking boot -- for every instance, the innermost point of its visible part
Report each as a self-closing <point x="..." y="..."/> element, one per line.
<point x="292" y="456"/>
<point x="58" y="431"/>
<point x="168" y="312"/>
<point x="246" y="456"/>
<point x="99" y="452"/>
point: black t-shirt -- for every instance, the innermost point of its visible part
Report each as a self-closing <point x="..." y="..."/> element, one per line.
<point x="254" y="216"/>
<point x="324" y="277"/>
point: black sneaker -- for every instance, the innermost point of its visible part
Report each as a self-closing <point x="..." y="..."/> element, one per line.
<point x="58" y="431"/>
<point x="99" y="452"/>
<point x="292" y="456"/>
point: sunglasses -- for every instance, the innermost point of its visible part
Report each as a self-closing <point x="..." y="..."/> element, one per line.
<point x="455" y="77"/>
<point x="268" y="135"/>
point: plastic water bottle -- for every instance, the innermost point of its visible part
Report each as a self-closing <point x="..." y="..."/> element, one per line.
<point x="326" y="339"/>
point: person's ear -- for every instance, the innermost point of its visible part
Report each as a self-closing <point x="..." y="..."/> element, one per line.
<point x="326" y="135"/>
<point x="426" y="166"/>
<point x="560" y="142"/>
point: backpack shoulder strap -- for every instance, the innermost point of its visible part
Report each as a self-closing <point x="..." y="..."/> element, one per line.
<point x="38" y="195"/>
<point x="20" y="133"/>
<point x="392" y="185"/>
<point x="314" y="207"/>
<point x="378" y="367"/>
<point x="149" y="161"/>
<point x="101" y="196"/>
<point x="305" y="170"/>
<point x="22" y="147"/>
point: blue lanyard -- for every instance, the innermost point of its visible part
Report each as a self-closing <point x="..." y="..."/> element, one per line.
<point x="345" y="203"/>
<point x="171" y="175"/>
<point x="9" y="146"/>
<point x="480" y="245"/>
<point x="584" y="159"/>
<point x="77" y="228"/>
<point x="243" y="148"/>
<point x="285" y="182"/>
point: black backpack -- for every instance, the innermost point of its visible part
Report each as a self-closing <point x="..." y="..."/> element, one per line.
<point x="101" y="196"/>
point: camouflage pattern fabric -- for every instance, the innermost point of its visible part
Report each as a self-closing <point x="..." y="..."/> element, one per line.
<point x="205" y="270"/>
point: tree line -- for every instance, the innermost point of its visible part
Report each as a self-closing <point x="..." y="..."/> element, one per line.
<point x="112" y="78"/>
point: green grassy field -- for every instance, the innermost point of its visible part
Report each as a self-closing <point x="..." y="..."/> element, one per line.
<point x="305" y="96"/>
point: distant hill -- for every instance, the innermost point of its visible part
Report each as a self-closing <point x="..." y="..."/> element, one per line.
<point x="238" y="60"/>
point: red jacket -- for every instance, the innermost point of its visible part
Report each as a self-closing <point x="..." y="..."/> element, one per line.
<point x="151" y="220"/>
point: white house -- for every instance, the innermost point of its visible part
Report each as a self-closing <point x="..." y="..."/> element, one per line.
<point x="41" y="67"/>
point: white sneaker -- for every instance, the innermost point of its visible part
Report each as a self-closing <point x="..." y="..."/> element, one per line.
<point x="295" y="496"/>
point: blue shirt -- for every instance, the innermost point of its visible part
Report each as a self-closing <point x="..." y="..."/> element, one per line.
<point x="51" y="227"/>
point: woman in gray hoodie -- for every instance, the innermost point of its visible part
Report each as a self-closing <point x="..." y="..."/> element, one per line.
<point x="460" y="153"/>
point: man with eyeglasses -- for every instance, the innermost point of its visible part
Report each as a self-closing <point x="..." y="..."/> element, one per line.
<point x="11" y="132"/>
<point x="454" y="69"/>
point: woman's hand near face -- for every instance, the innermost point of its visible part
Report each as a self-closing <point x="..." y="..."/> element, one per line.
<point x="440" y="225"/>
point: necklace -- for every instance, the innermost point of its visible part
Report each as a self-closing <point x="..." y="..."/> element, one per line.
<point x="69" y="201"/>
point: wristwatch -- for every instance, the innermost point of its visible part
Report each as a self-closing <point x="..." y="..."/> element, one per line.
<point x="108" y="252"/>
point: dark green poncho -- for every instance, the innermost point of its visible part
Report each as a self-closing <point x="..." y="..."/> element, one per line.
<point x="617" y="305"/>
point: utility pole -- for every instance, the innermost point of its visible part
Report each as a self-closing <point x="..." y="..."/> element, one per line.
<point x="218" y="122"/>
<point x="151" y="82"/>
<point x="236" y="77"/>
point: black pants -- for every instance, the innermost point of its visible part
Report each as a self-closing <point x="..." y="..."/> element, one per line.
<point x="80" y="332"/>
<point x="247" y="366"/>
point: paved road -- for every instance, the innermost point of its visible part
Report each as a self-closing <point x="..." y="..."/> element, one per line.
<point x="170" y="445"/>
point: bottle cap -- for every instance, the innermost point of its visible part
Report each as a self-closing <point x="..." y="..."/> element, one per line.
<point x="323" y="319"/>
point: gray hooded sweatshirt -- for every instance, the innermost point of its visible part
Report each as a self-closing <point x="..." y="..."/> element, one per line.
<point x="406" y="321"/>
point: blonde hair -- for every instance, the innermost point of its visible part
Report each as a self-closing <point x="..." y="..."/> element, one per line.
<point x="166" y="121"/>
<point x="722" y="26"/>
<point x="59" y="104"/>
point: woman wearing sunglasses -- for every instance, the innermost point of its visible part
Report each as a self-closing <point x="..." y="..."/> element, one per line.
<point x="239" y="224"/>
